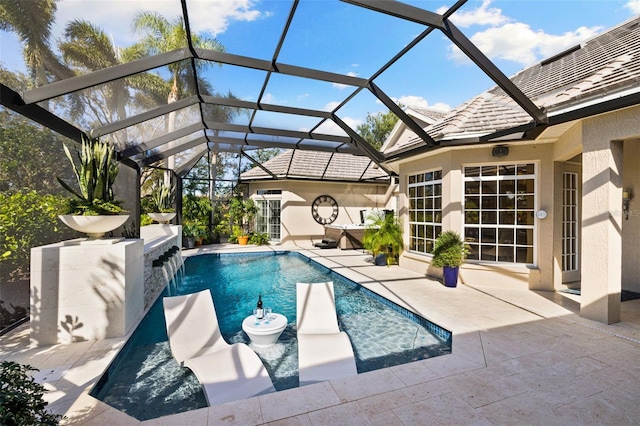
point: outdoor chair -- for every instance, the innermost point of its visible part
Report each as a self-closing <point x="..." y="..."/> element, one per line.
<point x="324" y="352"/>
<point x="226" y="372"/>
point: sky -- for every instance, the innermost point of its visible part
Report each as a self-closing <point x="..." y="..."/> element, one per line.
<point x="343" y="38"/>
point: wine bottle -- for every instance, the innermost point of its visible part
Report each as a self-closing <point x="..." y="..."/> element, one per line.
<point x="259" y="310"/>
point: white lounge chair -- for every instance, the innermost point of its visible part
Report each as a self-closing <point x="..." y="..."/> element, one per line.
<point x="226" y="372"/>
<point x="324" y="352"/>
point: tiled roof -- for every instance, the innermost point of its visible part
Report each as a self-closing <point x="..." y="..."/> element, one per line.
<point x="603" y="65"/>
<point x="434" y="114"/>
<point x="317" y="165"/>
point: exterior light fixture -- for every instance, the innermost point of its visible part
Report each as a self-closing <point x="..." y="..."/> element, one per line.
<point x="626" y="197"/>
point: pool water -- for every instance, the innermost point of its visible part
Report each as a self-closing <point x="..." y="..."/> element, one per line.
<point x="146" y="382"/>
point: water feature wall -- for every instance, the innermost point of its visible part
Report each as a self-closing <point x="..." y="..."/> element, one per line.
<point x="162" y="258"/>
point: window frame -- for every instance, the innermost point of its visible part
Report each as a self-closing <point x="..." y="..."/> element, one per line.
<point x="503" y="214"/>
<point x="422" y="233"/>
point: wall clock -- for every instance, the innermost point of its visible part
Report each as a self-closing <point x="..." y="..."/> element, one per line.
<point x="323" y="201"/>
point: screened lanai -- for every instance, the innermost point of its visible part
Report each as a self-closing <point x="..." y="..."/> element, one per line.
<point x="165" y="92"/>
<point x="177" y="84"/>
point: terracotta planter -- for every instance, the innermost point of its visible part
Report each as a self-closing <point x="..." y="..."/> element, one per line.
<point x="94" y="226"/>
<point x="243" y="240"/>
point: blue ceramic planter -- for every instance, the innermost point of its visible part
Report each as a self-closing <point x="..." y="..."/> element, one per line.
<point x="450" y="276"/>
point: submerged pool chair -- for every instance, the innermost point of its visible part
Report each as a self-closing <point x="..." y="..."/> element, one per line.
<point x="324" y="352"/>
<point x="226" y="372"/>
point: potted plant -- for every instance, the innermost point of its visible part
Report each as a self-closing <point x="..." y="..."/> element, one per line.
<point x="383" y="238"/>
<point x="241" y="215"/>
<point x="93" y="209"/>
<point x="449" y="252"/>
<point x="190" y="231"/>
<point x="162" y="200"/>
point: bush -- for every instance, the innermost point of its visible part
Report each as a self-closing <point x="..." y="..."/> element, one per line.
<point x="21" y="400"/>
<point x="449" y="250"/>
<point x="258" y="238"/>
<point x="27" y="219"/>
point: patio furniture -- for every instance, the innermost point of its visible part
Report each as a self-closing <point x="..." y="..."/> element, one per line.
<point x="226" y="372"/>
<point x="324" y="352"/>
<point x="327" y="243"/>
<point x="264" y="332"/>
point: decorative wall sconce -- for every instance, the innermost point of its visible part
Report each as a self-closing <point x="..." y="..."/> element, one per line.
<point x="626" y="197"/>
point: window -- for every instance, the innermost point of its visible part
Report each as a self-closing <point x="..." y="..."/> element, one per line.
<point x="268" y="218"/>
<point x="425" y="210"/>
<point x="499" y="207"/>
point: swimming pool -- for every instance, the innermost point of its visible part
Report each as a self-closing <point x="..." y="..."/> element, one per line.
<point x="146" y="382"/>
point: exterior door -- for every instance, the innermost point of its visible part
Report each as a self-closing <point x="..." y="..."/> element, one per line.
<point x="268" y="218"/>
<point x="571" y="196"/>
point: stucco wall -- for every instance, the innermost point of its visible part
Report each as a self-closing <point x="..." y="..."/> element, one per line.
<point x="297" y="196"/>
<point x="631" y="226"/>
<point x="538" y="276"/>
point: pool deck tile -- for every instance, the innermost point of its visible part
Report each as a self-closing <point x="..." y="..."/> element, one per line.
<point x="518" y="357"/>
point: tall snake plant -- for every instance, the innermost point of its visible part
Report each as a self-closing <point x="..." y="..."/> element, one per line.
<point x="96" y="173"/>
<point x="162" y="196"/>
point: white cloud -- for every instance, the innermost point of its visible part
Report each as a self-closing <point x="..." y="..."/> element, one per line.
<point x="115" y="16"/>
<point x="483" y="15"/>
<point x="633" y="6"/>
<point x="268" y="98"/>
<point x="214" y="16"/>
<point x="329" y="127"/>
<point x="331" y="105"/>
<point x="514" y="41"/>
<point x="419" y="101"/>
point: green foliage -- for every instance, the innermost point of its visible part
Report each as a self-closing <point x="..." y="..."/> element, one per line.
<point x="95" y="175"/>
<point x="27" y="219"/>
<point x="259" y="238"/>
<point x="376" y="128"/>
<point x="21" y="401"/>
<point x="145" y="220"/>
<point x="384" y="235"/>
<point x="31" y="157"/>
<point x="242" y="212"/>
<point x="194" y="229"/>
<point x="163" y="197"/>
<point x="449" y="250"/>
<point x="195" y="208"/>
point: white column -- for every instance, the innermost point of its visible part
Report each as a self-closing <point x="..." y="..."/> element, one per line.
<point x="601" y="228"/>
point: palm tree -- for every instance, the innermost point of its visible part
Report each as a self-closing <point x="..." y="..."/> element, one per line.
<point x="87" y="48"/>
<point x="31" y="21"/>
<point x="161" y="36"/>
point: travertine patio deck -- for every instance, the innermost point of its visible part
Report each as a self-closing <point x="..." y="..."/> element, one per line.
<point x="519" y="357"/>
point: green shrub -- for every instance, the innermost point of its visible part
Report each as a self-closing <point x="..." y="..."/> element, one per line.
<point x="449" y="250"/>
<point x="145" y="220"/>
<point x="27" y="219"/>
<point x="21" y="401"/>
<point x="258" y="238"/>
<point x="384" y="236"/>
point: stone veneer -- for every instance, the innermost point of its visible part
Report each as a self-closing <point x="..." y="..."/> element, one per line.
<point x="162" y="258"/>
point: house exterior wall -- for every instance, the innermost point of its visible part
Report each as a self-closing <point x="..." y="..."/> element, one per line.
<point x="297" y="222"/>
<point x="610" y="148"/>
<point x="631" y="226"/>
<point x="537" y="276"/>
<point x="605" y="229"/>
